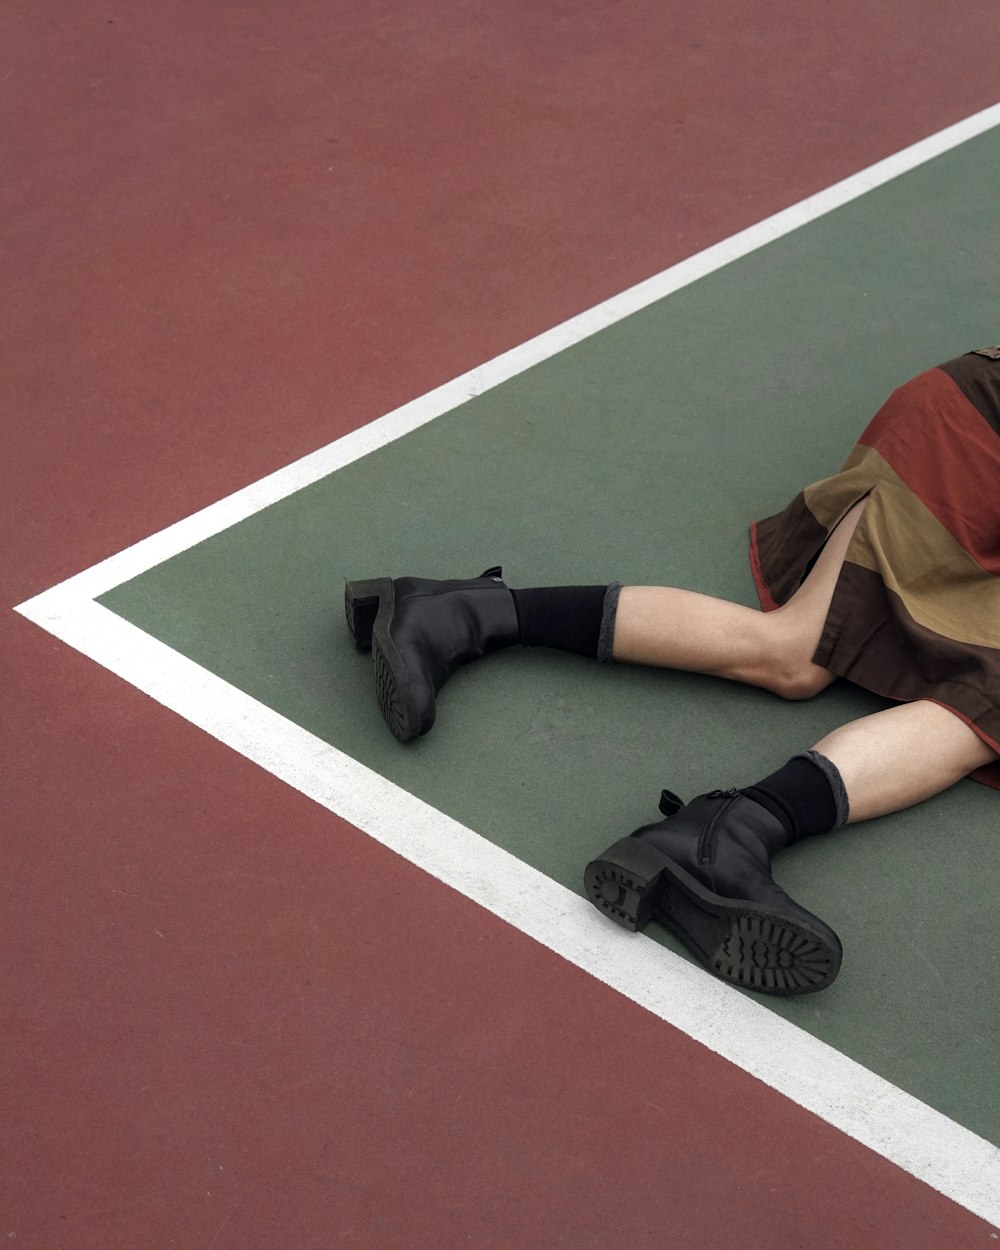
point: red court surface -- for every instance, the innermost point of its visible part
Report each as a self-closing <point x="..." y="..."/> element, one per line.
<point x="231" y="234"/>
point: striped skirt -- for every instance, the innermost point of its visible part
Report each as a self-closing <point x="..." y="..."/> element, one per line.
<point x="916" y="610"/>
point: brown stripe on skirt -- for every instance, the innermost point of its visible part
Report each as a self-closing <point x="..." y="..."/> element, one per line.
<point x="782" y="549"/>
<point x="977" y="376"/>
<point x="871" y="640"/>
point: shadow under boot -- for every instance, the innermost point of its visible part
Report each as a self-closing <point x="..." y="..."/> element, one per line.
<point x="420" y="632"/>
<point x="704" y="873"/>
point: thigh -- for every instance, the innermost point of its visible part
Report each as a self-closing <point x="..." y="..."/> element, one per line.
<point x="798" y="625"/>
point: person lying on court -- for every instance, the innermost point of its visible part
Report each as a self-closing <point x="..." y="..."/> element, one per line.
<point x="886" y="574"/>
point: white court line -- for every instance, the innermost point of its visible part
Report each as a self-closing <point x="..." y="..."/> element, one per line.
<point x="897" y="1126"/>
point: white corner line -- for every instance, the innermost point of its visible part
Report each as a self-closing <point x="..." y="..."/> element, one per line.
<point x="923" y="1142"/>
<point x="243" y="503"/>
<point x="869" y="1109"/>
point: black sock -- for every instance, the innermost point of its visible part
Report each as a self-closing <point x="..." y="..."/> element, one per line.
<point x="807" y="795"/>
<point x="565" y="617"/>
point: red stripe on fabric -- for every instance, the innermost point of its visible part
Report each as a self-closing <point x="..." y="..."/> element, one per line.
<point x="947" y="453"/>
<point x="767" y="601"/>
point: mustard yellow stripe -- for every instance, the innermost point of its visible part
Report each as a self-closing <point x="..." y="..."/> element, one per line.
<point x="942" y="586"/>
<point x="829" y="499"/>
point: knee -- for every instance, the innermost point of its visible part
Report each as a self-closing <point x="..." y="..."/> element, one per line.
<point x="789" y="669"/>
<point x="799" y="681"/>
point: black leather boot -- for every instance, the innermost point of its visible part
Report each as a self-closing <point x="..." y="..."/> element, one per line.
<point x="705" y="874"/>
<point x="420" y="632"/>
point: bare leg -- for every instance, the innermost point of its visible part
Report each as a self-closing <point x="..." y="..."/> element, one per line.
<point x="888" y="761"/>
<point x="902" y="756"/>
<point x="672" y="628"/>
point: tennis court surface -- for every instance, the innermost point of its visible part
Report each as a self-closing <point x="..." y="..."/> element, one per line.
<point x="277" y="980"/>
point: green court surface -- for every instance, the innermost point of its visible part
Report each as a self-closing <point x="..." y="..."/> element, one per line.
<point x="641" y="455"/>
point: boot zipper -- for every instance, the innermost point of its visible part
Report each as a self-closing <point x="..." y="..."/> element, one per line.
<point x="706" y="843"/>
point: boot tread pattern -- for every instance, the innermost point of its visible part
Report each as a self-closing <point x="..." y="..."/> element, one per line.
<point x="765" y="953"/>
<point x="390" y="701"/>
<point x="622" y="884"/>
<point x="617" y="893"/>
<point x="755" y="947"/>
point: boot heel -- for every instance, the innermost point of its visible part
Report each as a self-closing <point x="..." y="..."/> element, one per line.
<point x="361" y="600"/>
<point x="623" y="882"/>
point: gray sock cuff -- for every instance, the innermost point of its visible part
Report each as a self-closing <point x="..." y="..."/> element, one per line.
<point x="832" y="773"/>
<point x="606" y="639"/>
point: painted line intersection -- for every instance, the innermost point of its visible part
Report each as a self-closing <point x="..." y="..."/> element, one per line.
<point x="869" y="1109"/>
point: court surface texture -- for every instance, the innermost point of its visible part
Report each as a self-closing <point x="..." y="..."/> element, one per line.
<point x="300" y="295"/>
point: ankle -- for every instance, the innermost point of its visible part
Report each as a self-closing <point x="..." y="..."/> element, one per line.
<point x="806" y="795"/>
<point x="567" y="618"/>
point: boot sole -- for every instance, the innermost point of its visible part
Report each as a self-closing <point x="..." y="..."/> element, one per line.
<point x="368" y="607"/>
<point x="750" y="944"/>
